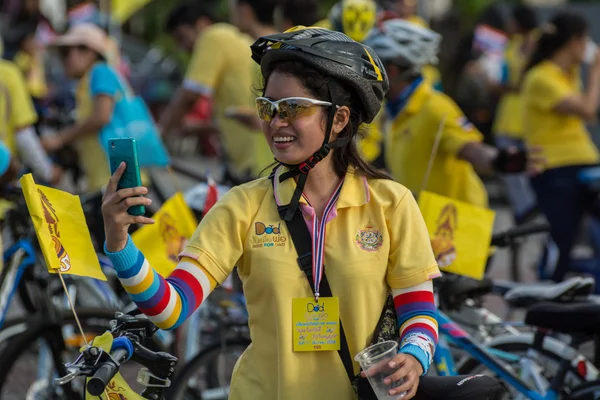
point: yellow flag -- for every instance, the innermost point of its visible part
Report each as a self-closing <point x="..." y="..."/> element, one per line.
<point x="117" y="388"/>
<point x="162" y="242"/>
<point x="61" y="230"/>
<point x="122" y="10"/>
<point x="460" y="234"/>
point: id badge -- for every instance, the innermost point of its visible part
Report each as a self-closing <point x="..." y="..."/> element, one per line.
<point x="316" y="324"/>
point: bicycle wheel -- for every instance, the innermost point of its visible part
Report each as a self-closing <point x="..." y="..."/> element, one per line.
<point x="549" y="360"/>
<point x="207" y="376"/>
<point x="35" y="353"/>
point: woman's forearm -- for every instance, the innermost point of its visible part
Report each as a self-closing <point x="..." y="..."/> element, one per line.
<point x="166" y="302"/>
<point x="417" y="321"/>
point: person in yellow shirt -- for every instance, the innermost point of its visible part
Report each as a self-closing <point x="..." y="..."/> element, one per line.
<point x="254" y="18"/>
<point x="17" y="119"/>
<point x="220" y="69"/>
<point x="556" y="109"/>
<point x="508" y="122"/>
<point x="430" y="145"/>
<point x="366" y="230"/>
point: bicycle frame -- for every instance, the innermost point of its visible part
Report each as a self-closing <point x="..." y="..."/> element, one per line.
<point x="449" y="331"/>
<point x="17" y="258"/>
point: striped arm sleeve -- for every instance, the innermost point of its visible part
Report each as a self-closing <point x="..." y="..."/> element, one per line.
<point x="416" y="311"/>
<point x="167" y="302"/>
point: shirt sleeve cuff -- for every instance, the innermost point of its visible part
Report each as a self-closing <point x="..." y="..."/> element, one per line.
<point x="417" y="353"/>
<point x="124" y="259"/>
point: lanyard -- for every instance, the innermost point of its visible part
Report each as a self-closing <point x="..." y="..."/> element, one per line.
<point x="318" y="239"/>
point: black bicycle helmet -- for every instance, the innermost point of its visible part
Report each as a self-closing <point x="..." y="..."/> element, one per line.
<point x="334" y="54"/>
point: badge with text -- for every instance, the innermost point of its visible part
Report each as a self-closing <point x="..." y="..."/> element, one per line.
<point x="316" y="325"/>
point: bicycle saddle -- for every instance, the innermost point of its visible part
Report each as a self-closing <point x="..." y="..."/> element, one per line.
<point x="454" y="289"/>
<point x="472" y="387"/>
<point x="582" y="317"/>
<point x="529" y="294"/>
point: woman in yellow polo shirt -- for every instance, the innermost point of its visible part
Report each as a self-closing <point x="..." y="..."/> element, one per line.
<point x="556" y="108"/>
<point x="366" y="229"/>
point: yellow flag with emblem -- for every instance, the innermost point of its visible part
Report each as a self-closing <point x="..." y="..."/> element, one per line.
<point x="61" y="230"/>
<point x="460" y="233"/>
<point x="162" y="241"/>
<point x="117" y="388"/>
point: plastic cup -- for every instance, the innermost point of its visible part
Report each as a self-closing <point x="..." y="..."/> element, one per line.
<point x="374" y="360"/>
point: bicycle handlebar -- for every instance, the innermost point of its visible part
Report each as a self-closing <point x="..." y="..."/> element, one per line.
<point x="506" y="238"/>
<point x="106" y="372"/>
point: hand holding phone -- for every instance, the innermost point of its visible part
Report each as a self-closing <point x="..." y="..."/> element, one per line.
<point x="114" y="211"/>
<point x="125" y="150"/>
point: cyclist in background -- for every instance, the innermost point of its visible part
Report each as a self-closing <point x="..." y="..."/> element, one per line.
<point x="405" y="9"/>
<point x="220" y="68"/>
<point x="312" y="107"/>
<point x="356" y="18"/>
<point x="255" y="18"/>
<point x="508" y="123"/>
<point x="292" y="13"/>
<point x="417" y="116"/>
<point x="17" y="119"/>
<point x="556" y="109"/>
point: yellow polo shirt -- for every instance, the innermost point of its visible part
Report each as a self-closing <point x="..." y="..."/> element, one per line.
<point x="16" y="107"/>
<point x="92" y="157"/>
<point x="409" y="143"/>
<point x="221" y="67"/>
<point x="509" y="116"/>
<point x="359" y="273"/>
<point x="563" y="138"/>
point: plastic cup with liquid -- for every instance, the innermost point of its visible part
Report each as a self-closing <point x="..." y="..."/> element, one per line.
<point x="374" y="361"/>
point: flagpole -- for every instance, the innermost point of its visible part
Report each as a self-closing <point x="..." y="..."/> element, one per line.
<point x="72" y="307"/>
<point x="436" y="144"/>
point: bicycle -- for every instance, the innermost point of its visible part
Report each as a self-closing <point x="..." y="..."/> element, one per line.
<point x="129" y="334"/>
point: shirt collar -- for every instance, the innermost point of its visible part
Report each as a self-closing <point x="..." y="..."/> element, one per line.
<point x="394" y="107"/>
<point x="354" y="193"/>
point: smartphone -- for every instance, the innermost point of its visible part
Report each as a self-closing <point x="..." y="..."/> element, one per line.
<point x="125" y="150"/>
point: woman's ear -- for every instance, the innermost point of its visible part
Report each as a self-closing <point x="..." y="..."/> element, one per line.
<point x="342" y="116"/>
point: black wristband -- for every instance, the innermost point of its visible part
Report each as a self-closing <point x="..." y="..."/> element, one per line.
<point x="510" y="162"/>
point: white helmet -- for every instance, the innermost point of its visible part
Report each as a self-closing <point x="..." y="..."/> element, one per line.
<point x="411" y="44"/>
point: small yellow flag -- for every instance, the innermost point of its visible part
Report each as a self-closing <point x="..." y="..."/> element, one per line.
<point x="122" y="10"/>
<point x="61" y="230"/>
<point x="117" y="388"/>
<point x="162" y="242"/>
<point x="460" y="234"/>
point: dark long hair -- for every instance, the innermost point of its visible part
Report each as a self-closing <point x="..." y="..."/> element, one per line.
<point x="322" y="88"/>
<point x="563" y="27"/>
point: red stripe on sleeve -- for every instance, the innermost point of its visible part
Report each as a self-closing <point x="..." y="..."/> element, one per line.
<point x="421" y="325"/>
<point x="414" y="297"/>
<point x="192" y="282"/>
<point x="161" y="305"/>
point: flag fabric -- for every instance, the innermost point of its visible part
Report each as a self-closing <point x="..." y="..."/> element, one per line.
<point x="162" y="241"/>
<point x="117" y="388"/>
<point x="61" y="230"/>
<point x="460" y="234"/>
<point x="122" y="10"/>
<point x="212" y="195"/>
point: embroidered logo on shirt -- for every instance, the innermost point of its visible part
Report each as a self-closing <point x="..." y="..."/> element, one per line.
<point x="267" y="235"/>
<point x="369" y="239"/>
<point x="465" y="123"/>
